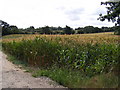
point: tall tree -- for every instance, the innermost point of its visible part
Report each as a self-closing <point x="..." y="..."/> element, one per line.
<point x="113" y="13"/>
<point x="46" y="30"/>
<point x="68" y="30"/>
<point x="5" y="27"/>
<point x="13" y="29"/>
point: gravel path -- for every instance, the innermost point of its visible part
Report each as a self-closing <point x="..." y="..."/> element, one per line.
<point x="14" y="77"/>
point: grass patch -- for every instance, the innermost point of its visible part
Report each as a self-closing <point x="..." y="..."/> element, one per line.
<point x="15" y="61"/>
<point x="68" y="78"/>
<point x="76" y="79"/>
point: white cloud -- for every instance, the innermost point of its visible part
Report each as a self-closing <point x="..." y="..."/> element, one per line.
<point x="74" y="13"/>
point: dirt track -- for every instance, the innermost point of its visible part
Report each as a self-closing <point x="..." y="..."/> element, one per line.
<point x="14" y="77"/>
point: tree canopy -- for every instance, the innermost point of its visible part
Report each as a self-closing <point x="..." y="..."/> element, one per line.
<point x="113" y="12"/>
<point x="68" y="30"/>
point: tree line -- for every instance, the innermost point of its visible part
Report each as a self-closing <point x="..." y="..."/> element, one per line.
<point x="12" y="29"/>
<point x="113" y="14"/>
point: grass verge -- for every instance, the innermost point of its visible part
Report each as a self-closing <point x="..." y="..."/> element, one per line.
<point x="75" y="79"/>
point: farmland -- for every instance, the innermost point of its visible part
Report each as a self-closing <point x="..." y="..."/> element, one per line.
<point x="71" y="60"/>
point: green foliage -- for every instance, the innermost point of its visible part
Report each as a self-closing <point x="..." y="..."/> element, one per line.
<point x="71" y="64"/>
<point x="10" y="29"/>
<point x="36" y="52"/>
<point x="89" y="59"/>
<point x="76" y="79"/>
<point x="117" y="30"/>
<point x="14" y="60"/>
<point x="68" y="78"/>
<point x="91" y="29"/>
<point x="46" y="30"/>
<point x="113" y="12"/>
<point x="68" y="30"/>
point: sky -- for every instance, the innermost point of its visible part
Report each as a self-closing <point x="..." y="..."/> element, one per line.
<point x="39" y="13"/>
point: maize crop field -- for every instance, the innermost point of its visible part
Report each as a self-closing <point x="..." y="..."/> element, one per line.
<point x="89" y="53"/>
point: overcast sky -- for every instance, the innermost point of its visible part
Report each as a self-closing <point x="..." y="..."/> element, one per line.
<point x="38" y="13"/>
